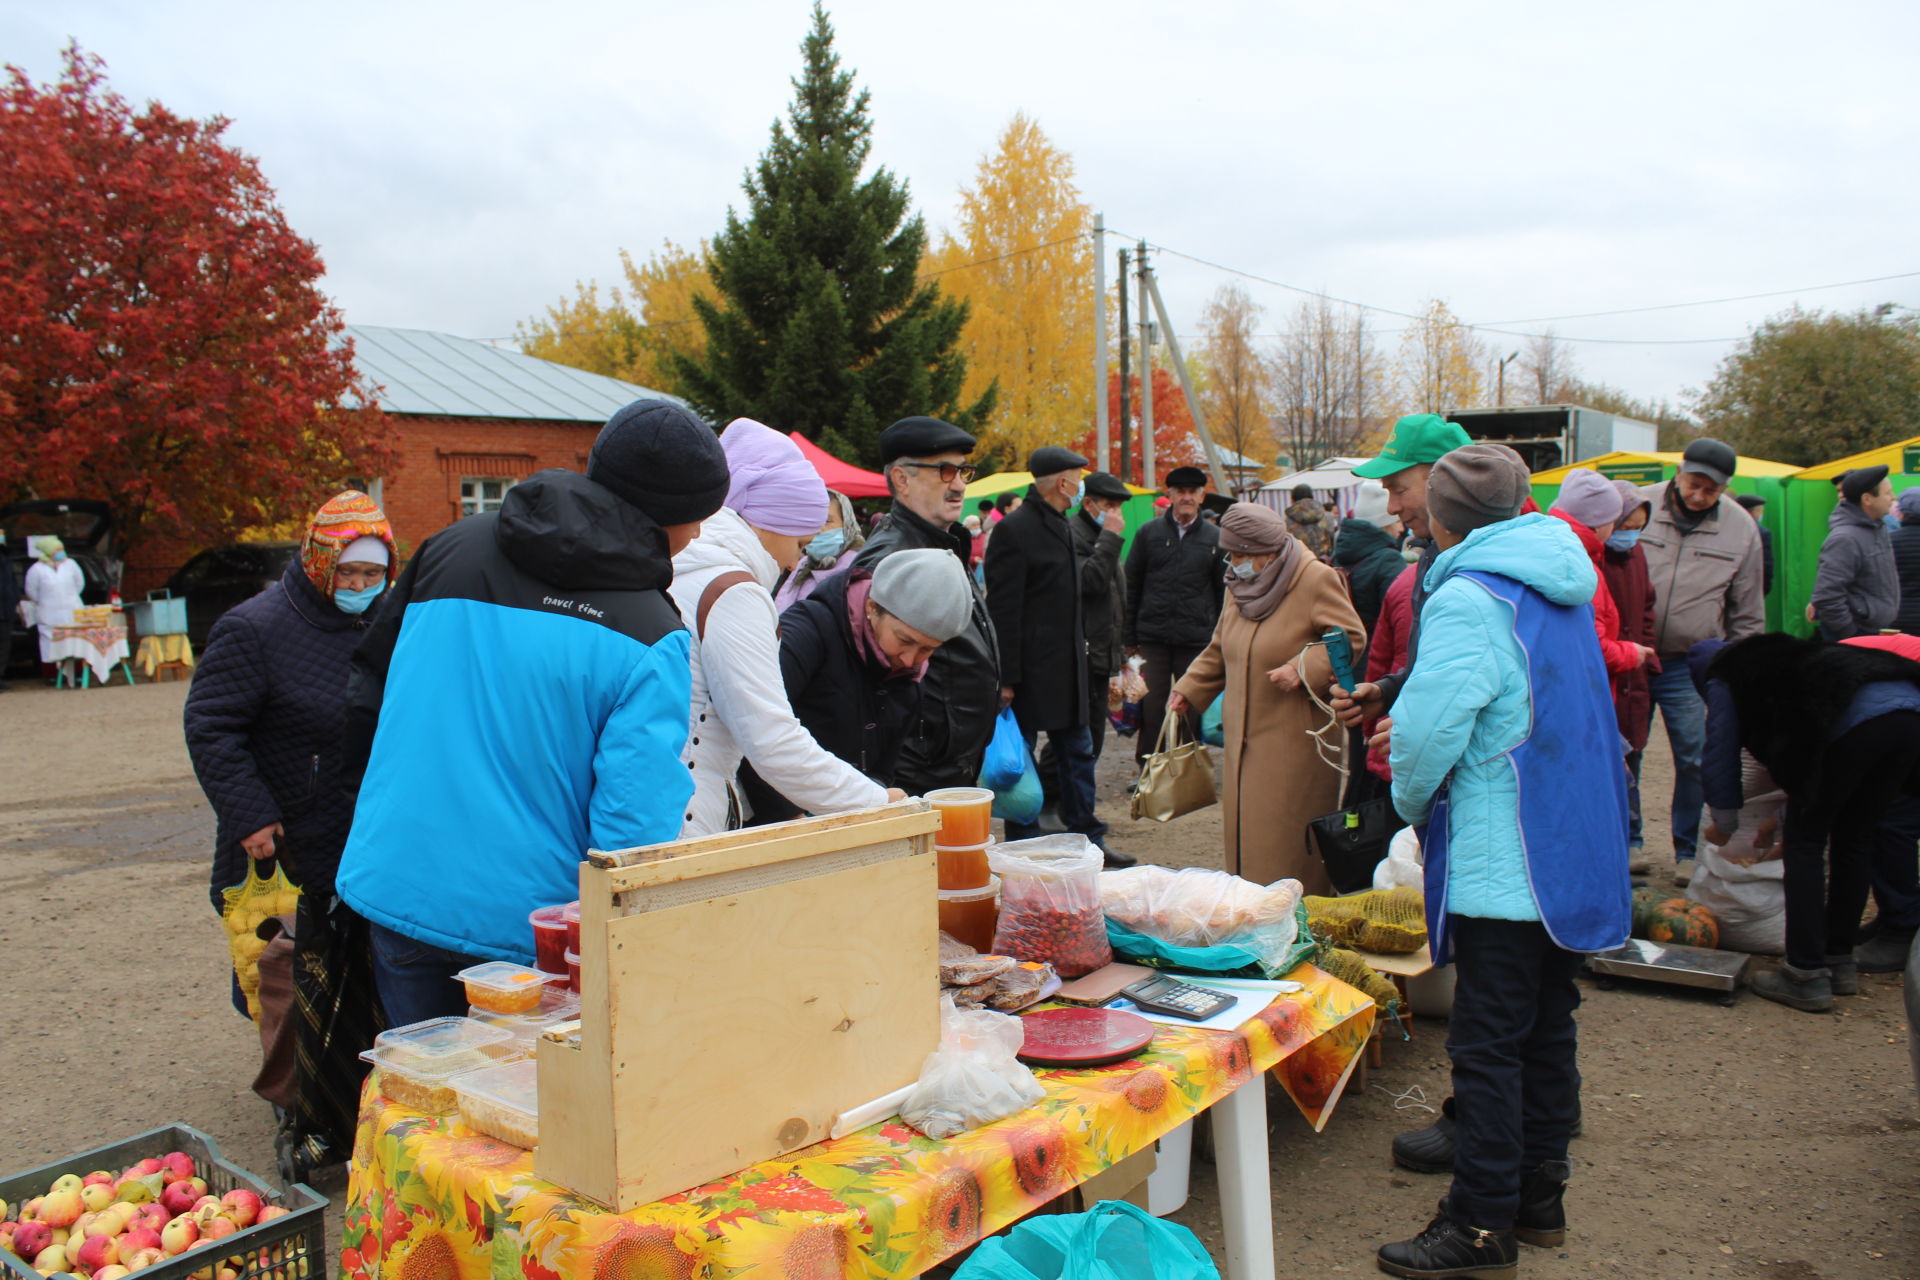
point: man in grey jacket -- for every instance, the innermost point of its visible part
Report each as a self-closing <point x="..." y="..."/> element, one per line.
<point x="1703" y="557"/>
<point x="1857" y="591"/>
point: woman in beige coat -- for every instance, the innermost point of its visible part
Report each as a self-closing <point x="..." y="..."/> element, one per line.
<point x="1282" y="600"/>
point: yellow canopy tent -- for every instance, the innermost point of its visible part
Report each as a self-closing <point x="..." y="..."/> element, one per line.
<point x="1810" y="500"/>
<point x="1137" y="511"/>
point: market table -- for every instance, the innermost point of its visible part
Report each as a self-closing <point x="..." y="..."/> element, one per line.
<point x="171" y="653"/>
<point x="100" y="648"/>
<point x="429" y="1199"/>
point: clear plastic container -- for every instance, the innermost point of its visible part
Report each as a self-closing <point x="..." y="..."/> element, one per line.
<point x="502" y="1102"/>
<point x="966" y="816"/>
<point x="416" y="1062"/>
<point x="571" y="914"/>
<point x="550" y="939"/>
<point x="573" y="972"/>
<point x="557" y="1004"/>
<point x="499" y="987"/>
<point x="971" y="915"/>
<point x="963" y="868"/>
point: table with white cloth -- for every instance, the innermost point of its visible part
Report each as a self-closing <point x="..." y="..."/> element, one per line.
<point x="100" y="649"/>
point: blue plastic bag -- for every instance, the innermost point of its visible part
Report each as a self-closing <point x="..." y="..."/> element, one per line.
<point x="1113" y="1240"/>
<point x="1213" y="729"/>
<point x="1022" y="801"/>
<point x="1007" y="755"/>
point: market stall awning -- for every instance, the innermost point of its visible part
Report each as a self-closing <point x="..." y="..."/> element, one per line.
<point x="1626" y="465"/>
<point x="842" y="477"/>
<point x="1002" y="481"/>
<point x="1334" y="473"/>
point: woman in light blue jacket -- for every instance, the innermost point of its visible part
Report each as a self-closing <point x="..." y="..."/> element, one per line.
<point x="1504" y="749"/>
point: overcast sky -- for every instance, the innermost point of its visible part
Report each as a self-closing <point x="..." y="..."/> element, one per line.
<point x="461" y="166"/>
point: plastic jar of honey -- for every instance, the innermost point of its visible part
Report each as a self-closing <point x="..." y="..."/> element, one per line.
<point x="971" y="915"/>
<point x="966" y="816"/>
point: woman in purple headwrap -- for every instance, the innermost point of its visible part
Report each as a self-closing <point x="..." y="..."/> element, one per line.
<point x="723" y="585"/>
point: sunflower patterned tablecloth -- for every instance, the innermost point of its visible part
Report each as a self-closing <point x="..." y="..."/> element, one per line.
<point x="429" y="1199"/>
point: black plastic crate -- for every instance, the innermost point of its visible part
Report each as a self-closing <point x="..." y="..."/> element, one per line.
<point x="294" y="1246"/>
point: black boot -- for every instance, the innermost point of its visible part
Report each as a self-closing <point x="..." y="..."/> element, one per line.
<point x="1885" y="951"/>
<point x="1452" y="1249"/>
<point x="1843" y="975"/>
<point x="1428" y="1150"/>
<point x="1542" y="1219"/>
<point x="1808" y="990"/>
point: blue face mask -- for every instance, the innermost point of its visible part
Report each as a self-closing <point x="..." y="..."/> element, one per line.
<point x="1243" y="570"/>
<point x="1622" y="540"/>
<point x="826" y="544"/>
<point x="1080" y="494"/>
<point x="59" y="556"/>
<point x="357" y="601"/>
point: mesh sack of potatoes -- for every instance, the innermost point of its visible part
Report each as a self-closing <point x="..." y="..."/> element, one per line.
<point x="1335" y="921"/>
<point x="1352" y="970"/>
<point x="1390" y="921"/>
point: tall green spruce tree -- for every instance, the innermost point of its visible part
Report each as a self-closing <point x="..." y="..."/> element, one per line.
<point x="822" y="326"/>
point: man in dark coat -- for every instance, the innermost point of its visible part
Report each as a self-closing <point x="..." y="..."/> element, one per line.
<point x="1033" y="592"/>
<point x="925" y="463"/>
<point x="1097" y="531"/>
<point x="1906" y="561"/>
<point x="1857" y="589"/>
<point x="1176" y="577"/>
<point x="1756" y="506"/>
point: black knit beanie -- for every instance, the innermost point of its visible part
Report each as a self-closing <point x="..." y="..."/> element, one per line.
<point x="658" y="456"/>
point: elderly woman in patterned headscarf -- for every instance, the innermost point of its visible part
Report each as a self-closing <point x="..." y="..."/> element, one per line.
<point x="1282" y="598"/>
<point x="265" y="719"/>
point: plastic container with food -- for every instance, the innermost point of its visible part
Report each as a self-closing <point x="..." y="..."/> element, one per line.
<point x="966" y="816"/>
<point x="557" y="1004"/>
<point x="963" y="868"/>
<point x="416" y="1062"/>
<point x="502" y="1102"/>
<point x="550" y="939"/>
<point x="573" y="972"/>
<point x="571" y="914"/>
<point x="499" y="987"/>
<point x="970" y="915"/>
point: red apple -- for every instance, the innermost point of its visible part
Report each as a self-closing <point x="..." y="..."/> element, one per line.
<point x="179" y="1197"/>
<point x="218" y="1229"/>
<point x="179" y="1236"/>
<point x="141" y="1259"/>
<point x="114" y="1272"/>
<point x="151" y="1217"/>
<point x="95" y="1196"/>
<point x="138" y="1238"/>
<point x="67" y="1182"/>
<point x="62" y="1208"/>
<point x="30" y="1211"/>
<point x="96" y="1252"/>
<point x="243" y="1206"/>
<point x="29" y="1238"/>
<point x="148" y="1166"/>
<point x="98" y="1178"/>
<point x="268" y="1212"/>
<point x="178" y="1165"/>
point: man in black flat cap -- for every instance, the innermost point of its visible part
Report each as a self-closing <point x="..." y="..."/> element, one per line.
<point x="1176" y="577"/>
<point x="1857" y="590"/>
<point x="925" y="463"/>
<point x="1034" y="595"/>
<point x="1097" y="532"/>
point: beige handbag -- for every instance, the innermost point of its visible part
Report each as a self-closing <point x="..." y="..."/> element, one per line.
<point x="1176" y="778"/>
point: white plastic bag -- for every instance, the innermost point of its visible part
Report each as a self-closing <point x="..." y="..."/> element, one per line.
<point x="1050" y="903"/>
<point x="973" y="1078"/>
<point x="1745" y="887"/>
<point x="1195" y="907"/>
<point x="1402" y="867"/>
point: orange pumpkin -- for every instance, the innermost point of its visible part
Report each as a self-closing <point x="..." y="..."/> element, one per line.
<point x="1683" y="921"/>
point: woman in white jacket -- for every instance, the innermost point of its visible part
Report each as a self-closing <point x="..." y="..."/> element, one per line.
<point x="53" y="587"/>
<point x="723" y="585"/>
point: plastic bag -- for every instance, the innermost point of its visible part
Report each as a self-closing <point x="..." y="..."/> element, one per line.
<point x="1022" y="801"/>
<point x="1402" y="868"/>
<point x="973" y="1078"/>
<point x="1744" y="886"/>
<point x="1237" y="958"/>
<point x="1050" y="908"/>
<point x="245" y="908"/>
<point x="1195" y="907"/>
<point x="1113" y="1240"/>
<point x="1007" y="755"/>
<point x="1133" y="681"/>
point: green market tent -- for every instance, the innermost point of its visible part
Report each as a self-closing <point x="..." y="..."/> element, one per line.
<point x="1802" y="523"/>
<point x="1136" y="511"/>
<point x="1758" y="476"/>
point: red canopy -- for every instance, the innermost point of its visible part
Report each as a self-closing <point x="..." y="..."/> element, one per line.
<point x="841" y="476"/>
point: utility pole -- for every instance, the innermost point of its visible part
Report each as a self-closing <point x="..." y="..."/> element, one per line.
<point x="1125" y="385"/>
<point x="1146" y="375"/>
<point x="1100" y="341"/>
<point x="1504" y="362"/>
<point x="1219" y="472"/>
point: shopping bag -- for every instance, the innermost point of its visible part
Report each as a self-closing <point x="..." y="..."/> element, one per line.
<point x="245" y="907"/>
<point x="1177" y="778"/>
<point x="1007" y="755"/>
<point x="1113" y="1240"/>
<point x="1353" y="841"/>
<point x="1022" y="801"/>
<point x="1213" y="729"/>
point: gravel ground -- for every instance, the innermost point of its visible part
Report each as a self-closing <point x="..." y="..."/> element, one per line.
<point x="1743" y="1141"/>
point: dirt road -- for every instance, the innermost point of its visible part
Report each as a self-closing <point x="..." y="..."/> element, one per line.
<point x="1741" y="1142"/>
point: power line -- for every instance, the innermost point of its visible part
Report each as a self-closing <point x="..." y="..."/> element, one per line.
<point x="1708" y="302"/>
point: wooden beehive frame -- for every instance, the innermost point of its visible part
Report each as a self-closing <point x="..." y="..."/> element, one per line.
<point x="737" y="992"/>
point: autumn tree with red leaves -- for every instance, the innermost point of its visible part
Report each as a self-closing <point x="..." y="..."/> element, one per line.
<point x="164" y="343"/>
<point x="1174" y="442"/>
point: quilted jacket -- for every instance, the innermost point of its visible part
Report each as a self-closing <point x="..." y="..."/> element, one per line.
<point x="265" y="717"/>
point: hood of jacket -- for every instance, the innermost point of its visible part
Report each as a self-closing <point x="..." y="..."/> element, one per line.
<point x="728" y="543"/>
<point x="1850" y="515"/>
<point x="1359" y="539"/>
<point x="1534" y="550"/>
<point x="1588" y="538"/>
<point x="568" y="531"/>
<point x="1305" y="511"/>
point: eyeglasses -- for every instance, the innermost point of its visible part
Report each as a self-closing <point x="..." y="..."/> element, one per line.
<point x="949" y="471"/>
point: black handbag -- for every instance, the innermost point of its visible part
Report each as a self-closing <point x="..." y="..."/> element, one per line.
<point x="1353" y="841"/>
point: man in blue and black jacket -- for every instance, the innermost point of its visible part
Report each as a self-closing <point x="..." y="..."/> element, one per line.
<point x="524" y="697"/>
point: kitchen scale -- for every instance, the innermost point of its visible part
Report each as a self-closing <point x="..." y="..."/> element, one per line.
<point x="1083" y="1037"/>
<point x="1673" y="964"/>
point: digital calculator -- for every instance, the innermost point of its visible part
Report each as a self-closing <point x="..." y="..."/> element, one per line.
<point x="1170" y="996"/>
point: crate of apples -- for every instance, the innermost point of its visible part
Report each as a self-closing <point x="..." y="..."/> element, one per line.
<point x="160" y="1215"/>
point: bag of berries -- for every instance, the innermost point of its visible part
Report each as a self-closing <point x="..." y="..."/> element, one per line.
<point x="1050" y="903"/>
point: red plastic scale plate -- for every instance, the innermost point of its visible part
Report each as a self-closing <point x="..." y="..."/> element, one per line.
<point x="1083" y="1037"/>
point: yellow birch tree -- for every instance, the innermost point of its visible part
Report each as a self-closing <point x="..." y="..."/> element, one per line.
<point x="1022" y="260"/>
<point x="1441" y="363"/>
<point x="631" y="334"/>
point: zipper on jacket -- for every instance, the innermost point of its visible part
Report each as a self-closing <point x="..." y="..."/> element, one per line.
<point x="313" y="779"/>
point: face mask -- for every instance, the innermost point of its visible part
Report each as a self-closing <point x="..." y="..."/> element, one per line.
<point x="357" y="601"/>
<point x="1243" y="570"/>
<point x="827" y="543"/>
<point x="1622" y="540"/>
<point x="1080" y="494"/>
<point x="59" y="556"/>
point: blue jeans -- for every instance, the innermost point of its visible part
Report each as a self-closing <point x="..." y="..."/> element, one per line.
<point x="1686" y="720"/>
<point x="1073" y="760"/>
<point x="1512" y="1041"/>
<point x="415" y="978"/>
